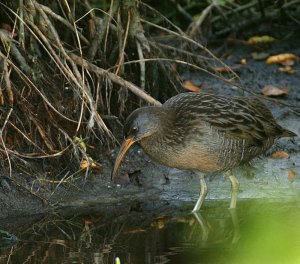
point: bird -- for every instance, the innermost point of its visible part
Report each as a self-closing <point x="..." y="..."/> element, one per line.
<point x="202" y="132"/>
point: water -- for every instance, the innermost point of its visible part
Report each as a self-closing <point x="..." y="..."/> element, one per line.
<point x="259" y="231"/>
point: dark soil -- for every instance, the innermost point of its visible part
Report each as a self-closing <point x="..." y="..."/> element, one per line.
<point x="266" y="177"/>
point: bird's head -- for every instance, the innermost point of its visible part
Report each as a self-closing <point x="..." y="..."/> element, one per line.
<point x="140" y="124"/>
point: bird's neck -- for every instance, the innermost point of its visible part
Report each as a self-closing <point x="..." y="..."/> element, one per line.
<point x="166" y="122"/>
<point x="165" y="117"/>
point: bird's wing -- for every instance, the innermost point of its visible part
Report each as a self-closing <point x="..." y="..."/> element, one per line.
<point x="236" y="117"/>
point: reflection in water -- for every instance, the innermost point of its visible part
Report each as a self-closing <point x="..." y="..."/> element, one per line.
<point x="258" y="232"/>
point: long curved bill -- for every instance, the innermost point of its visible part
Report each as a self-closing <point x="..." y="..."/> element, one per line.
<point x="125" y="146"/>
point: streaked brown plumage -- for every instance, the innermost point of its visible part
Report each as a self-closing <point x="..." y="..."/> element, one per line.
<point x="203" y="132"/>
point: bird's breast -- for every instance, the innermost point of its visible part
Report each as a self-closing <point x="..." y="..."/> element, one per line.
<point x="182" y="156"/>
<point x="208" y="151"/>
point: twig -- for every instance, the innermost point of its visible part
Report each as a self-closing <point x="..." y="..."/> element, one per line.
<point x="115" y="4"/>
<point x="65" y="22"/>
<point x="79" y="78"/>
<point x="165" y="18"/>
<point x="10" y="254"/>
<point x="76" y="74"/>
<point x="155" y="44"/>
<point x="16" y="53"/>
<point x="182" y="11"/>
<point x="42" y="134"/>
<point x="255" y="18"/>
<point x="136" y="29"/>
<point x="183" y="36"/>
<point x="238" y="9"/>
<point x="3" y="143"/>
<point x="196" y="25"/>
<point x="230" y="82"/>
<point x="34" y="156"/>
<point x="76" y="77"/>
<point x="1" y="97"/>
<point x="84" y="86"/>
<point x="95" y="44"/>
<point x="53" y="55"/>
<point x="6" y="74"/>
<point x="290" y="3"/>
<point x="142" y="65"/>
<point x="26" y="137"/>
<point x="21" y="24"/>
<point x="179" y="62"/>
<point x="115" y="78"/>
<point x="38" y="91"/>
<point x="48" y="48"/>
<point x="122" y="50"/>
<point x="44" y="200"/>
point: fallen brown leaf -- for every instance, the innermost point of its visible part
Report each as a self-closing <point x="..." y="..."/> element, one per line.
<point x="188" y="85"/>
<point x="222" y="70"/>
<point x="7" y="30"/>
<point x="270" y="90"/>
<point x="88" y="221"/>
<point x="280" y="155"/>
<point x="243" y="61"/>
<point x="160" y="222"/>
<point x="84" y="164"/>
<point x="292" y="175"/>
<point x="259" y="55"/>
<point x="1" y="99"/>
<point x="286" y="69"/>
<point x="227" y="69"/>
<point x="288" y="63"/>
<point x="192" y="222"/>
<point x="260" y="40"/>
<point x="181" y="219"/>
<point x="134" y="231"/>
<point x="90" y="163"/>
<point x="282" y="58"/>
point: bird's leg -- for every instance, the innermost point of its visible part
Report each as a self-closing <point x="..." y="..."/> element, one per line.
<point x="236" y="226"/>
<point x="234" y="189"/>
<point x="203" y="226"/>
<point x="203" y="193"/>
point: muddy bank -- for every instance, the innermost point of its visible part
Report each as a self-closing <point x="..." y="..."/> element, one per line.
<point x="265" y="178"/>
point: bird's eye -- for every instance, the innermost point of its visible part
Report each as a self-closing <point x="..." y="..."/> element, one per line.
<point x="135" y="129"/>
